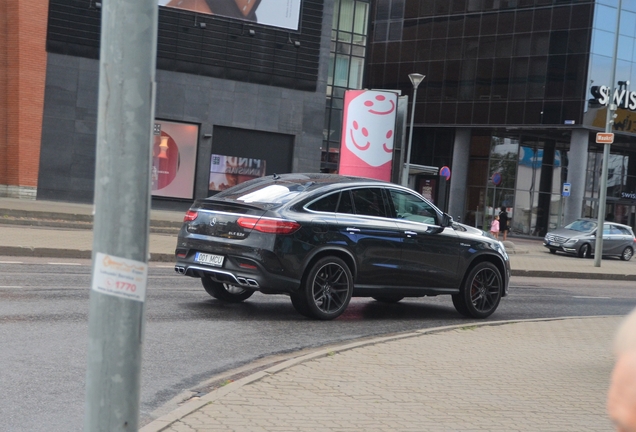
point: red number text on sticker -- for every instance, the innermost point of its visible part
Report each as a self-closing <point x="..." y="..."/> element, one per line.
<point x="126" y="286"/>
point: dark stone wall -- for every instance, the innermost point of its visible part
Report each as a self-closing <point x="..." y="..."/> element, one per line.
<point x="285" y="96"/>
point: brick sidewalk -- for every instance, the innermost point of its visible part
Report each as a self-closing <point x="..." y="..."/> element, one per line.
<point x="524" y="376"/>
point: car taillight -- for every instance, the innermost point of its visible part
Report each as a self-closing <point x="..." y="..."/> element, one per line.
<point x="190" y="216"/>
<point x="271" y="226"/>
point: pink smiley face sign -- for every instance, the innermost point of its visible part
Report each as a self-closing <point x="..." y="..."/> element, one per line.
<point x="368" y="133"/>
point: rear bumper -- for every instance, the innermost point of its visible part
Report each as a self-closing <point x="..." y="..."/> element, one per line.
<point x="256" y="279"/>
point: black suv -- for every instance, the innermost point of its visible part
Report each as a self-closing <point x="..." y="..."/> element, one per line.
<point x="323" y="238"/>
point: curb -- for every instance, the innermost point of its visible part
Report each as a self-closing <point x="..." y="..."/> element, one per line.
<point x="573" y="275"/>
<point x="18" y="251"/>
<point x="191" y="406"/>
<point x="36" y="252"/>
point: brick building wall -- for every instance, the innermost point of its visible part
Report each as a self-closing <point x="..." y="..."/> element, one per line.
<point x="22" y="77"/>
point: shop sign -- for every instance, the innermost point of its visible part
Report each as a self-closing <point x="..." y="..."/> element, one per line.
<point x="368" y="129"/>
<point x="604" y="138"/>
<point x="566" y="189"/>
<point x="622" y="98"/>
<point x="628" y="195"/>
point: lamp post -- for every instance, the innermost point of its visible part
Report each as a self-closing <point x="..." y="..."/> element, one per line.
<point x="609" y="121"/>
<point x="416" y="79"/>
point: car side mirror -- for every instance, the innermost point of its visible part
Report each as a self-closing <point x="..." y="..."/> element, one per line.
<point x="447" y="220"/>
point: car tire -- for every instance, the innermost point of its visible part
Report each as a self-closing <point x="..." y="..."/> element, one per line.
<point x="585" y="251"/>
<point x="326" y="289"/>
<point x="300" y="304"/>
<point x="481" y="291"/>
<point x="552" y="251"/>
<point x="385" y="299"/>
<point x="225" y="292"/>
<point x="627" y="254"/>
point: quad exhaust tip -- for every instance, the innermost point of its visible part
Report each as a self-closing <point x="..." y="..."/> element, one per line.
<point x="229" y="278"/>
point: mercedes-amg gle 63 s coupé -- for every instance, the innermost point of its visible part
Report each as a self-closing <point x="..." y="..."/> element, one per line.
<point x="323" y="238"/>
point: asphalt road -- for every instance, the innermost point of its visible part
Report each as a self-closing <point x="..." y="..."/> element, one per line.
<point x="191" y="337"/>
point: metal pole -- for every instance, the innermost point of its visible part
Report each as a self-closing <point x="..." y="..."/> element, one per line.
<point x="609" y="121"/>
<point x="122" y="209"/>
<point x="416" y="79"/>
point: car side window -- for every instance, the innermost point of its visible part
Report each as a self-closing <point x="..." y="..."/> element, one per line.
<point x="410" y="207"/>
<point x="369" y="202"/>
<point x="326" y="204"/>
<point x="616" y="230"/>
<point x="346" y="205"/>
<point x="607" y="230"/>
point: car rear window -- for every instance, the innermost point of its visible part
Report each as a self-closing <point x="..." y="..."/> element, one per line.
<point x="263" y="193"/>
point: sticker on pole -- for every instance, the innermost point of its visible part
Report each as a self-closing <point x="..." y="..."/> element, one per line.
<point x="120" y="277"/>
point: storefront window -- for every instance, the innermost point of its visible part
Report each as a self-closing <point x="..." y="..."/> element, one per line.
<point x="502" y="174"/>
<point x="174" y="155"/>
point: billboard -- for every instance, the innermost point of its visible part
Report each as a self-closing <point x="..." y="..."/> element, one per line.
<point x="174" y="154"/>
<point x="368" y="133"/>
<point x="276" y="13"/>
<point x="228" y="171"/>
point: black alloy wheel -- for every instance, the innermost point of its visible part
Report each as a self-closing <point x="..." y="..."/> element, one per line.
<point x="387" y="299"/>
<point x="627" y="254"/>
<point x="481" y="292"/>
<point x="326" y="289"/>
<point x="226" y="292"/>
<point x="585" y="251"/>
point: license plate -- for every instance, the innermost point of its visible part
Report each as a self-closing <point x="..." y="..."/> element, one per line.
<point x="553" y="243"/>
<point x="213" y="260"/>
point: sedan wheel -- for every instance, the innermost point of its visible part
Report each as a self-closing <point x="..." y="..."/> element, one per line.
<point x="585" y="251"/>
<point x="627" y="254"/>
<point x="326" y="290"/>
<point x="226" y="292"/>
<point x="481" y="292"/>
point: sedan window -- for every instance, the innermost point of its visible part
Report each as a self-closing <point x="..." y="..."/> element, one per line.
<point x="624" y="231"/>
<point x="411" y="207"/>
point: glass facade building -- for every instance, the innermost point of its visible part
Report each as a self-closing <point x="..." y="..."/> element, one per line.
<point x="512" y="100"/>
<point x="346" y="70"/>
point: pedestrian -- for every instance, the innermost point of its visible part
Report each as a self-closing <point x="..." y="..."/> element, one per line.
<point x="621" y="398"/>
<point x="504" y="221"/>
<point x="494" y="227"/>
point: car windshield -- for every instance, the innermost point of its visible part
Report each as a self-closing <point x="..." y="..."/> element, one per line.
<point x="582" y="226"/>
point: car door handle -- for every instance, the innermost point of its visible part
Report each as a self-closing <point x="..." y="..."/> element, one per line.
<point x="410" y="233"/>
<point x="353" y="230"/>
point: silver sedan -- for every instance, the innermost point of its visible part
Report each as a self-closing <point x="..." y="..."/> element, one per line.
<point x="579" y="238"/>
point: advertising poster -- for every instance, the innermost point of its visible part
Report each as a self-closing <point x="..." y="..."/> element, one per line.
<point x="228" y="171"/>
<point x="276" y="13"/>
<point x="174" y="154"/>
<point x="367" y="134"/>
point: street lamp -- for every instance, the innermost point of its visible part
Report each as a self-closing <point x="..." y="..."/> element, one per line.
<point x="609" y="121"/>
<point x="416" y="79"/>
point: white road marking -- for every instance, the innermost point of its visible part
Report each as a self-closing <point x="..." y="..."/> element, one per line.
<point x="11" y="262"/>
<point x="590" y="297"/>
<point x="65" y="264"/>
<point x="10" y="286"/>
<point x="163" y="266"/>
